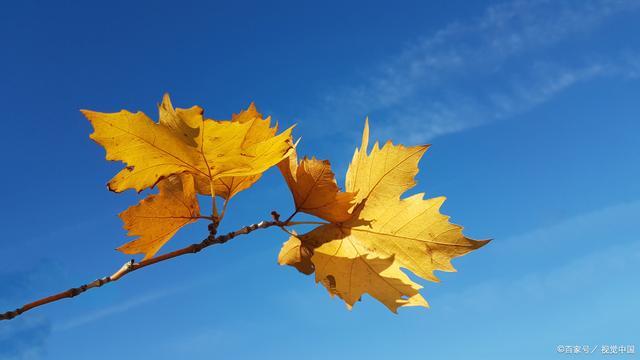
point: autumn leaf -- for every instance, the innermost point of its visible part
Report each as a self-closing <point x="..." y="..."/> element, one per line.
<point x="151" y="150"/>
<point x="183" y="141"/>
<point x="365" y="254"/>
<point x="188" y="122"/>
<point x="158" y="217"/>
<point x="185" y="122"/>
<point x="260" y="130"/>
<point x="297" y="254"/>
<point x="315" y="190"/>
<point x="370" y="242"/>
<point x="184" y="154"/>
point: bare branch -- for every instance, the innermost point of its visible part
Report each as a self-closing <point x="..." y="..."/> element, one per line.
<point x="132" y="266"/>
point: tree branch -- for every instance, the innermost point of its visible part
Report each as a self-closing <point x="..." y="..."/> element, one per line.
<point x="132" y="266"/>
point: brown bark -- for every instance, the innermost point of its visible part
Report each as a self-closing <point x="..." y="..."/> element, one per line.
<point x="132" y="266"/>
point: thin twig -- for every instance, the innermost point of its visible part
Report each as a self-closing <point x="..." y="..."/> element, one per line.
<point x="292" y="215"/>
<point x="224" y="208"/>
<point x="293" y="223"/>
<point x="132" y="266"/>
<point x="287" y="231"/>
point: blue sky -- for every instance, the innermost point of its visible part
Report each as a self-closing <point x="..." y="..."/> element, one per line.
<point x="532" y="109"/>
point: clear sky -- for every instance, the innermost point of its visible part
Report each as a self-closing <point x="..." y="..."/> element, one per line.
<point x="533" y="110"/>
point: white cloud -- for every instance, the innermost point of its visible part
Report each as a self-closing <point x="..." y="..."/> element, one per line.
<point x="578" y="253"/>
<point x="431" y="119"/>
<point x="492" y="68"/>
<point x="99" y="314"/>
<point x="24" y="338"/>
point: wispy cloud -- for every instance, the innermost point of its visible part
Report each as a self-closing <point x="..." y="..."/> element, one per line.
<point x="612" y="255"/>
<point x="102" y="313"/>
<point x="134" y="301"/>
<point x="24" y="338"/>
<point x="19" y="284"/>
<point x="504" y="62"/>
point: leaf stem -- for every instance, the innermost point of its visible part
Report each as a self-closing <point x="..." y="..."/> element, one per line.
<point x="287" y="231"/>
<point x="293" y="223"/>
<point x="224" y="209"/>
<point x="214" y="208"/>
<point x="291" y="216"/>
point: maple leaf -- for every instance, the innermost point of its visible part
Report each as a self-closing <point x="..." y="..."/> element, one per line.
<point x="384" y="233"/>
<point x="183" y="141"/>
<point x="159" y="216"/>
<point x="185" y="122"/>
<point x="297" y="254"/>
<point x="314" y="188"/>
<point x="259" y="130"/>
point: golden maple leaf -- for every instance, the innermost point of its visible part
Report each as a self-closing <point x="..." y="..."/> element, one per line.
<point x="259" y="130"/>
<point x="185" y="154"/>
<point x="297" y="254"/>
<point x="315" y="190"/>
<point x="159" y="216"/>
<point x="183" y="141"/>
<point x="384" y="233"/>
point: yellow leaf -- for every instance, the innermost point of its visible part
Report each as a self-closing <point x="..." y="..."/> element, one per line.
<point x="386" y="233"/>
<point x="385" y="173"/>
<point x="185" y="122"/>
<point x="227" y="141"/>
<point x="158" y="217"/>
<point x="248" y="115"/>
<point x="249" y="148"/>
<point x="151" y="150"/>
<point x="296" y="254"/>
<point x="352" y="275"/>
<point x="315" y="190"/>
<point x="259" y="130"/>
<point x="183" y="141"/>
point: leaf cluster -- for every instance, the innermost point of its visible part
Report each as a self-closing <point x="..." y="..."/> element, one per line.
<point x="368" y="233"/>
